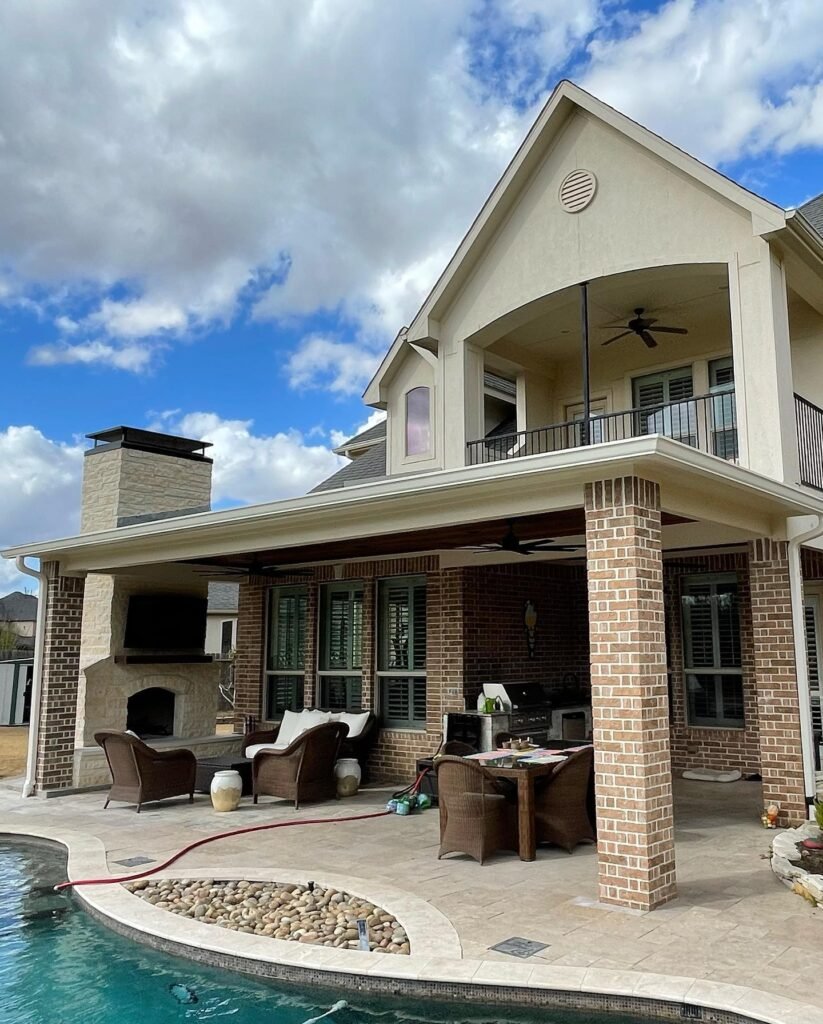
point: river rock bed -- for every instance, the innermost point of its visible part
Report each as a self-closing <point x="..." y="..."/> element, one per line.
<point x="298" y="913"/>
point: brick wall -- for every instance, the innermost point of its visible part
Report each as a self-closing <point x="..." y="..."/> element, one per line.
<point x="249" y="654"/>
<point x="781" y="756"/>
<point x="61" y="673"/>
<point x="629" y="693"/>
<point x="496" y="648"/>
<point x="695" y="747"/>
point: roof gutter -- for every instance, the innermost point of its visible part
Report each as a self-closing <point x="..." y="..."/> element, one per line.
<point x="37" y="671"/>
<point x="805" y="233"/>
<point x="801" y="658"/>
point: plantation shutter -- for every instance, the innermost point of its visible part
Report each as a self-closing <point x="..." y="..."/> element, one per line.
<point x="402" y="652"/>
<point x="699" y="633"/>
<point x="813" y="656"/>
<point x="286" y="650"/>
<point x="344" y="611"/>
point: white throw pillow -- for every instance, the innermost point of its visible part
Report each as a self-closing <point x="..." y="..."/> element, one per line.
<point x="290" y="727"/>
<point x="312" y="717"/>
<point x="355" y="722"/>
<point x="257" y="747"/>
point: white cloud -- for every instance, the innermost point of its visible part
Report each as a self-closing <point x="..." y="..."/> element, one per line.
<point x="722" y="78"/>
<point x="342" y="367"/>
<point x="137" y="318"/>
<point x="40" y="496"/>
<point x="133" y="357"/>
<point x="250" y="467"/>
<point x="339" y="436"/>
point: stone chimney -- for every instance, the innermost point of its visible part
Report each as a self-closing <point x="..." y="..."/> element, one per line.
<point x="135" y="476"/>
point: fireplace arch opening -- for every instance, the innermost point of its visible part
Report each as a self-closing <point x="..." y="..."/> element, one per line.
<point x="150" y="712"/>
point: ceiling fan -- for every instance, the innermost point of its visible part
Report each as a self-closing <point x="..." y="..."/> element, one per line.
<point x="253" y="569"/>
<point x="513" y="545"/>
<point x="644" y="327"/>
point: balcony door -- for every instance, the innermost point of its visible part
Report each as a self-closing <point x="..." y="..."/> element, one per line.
<point x="663" y="405"/>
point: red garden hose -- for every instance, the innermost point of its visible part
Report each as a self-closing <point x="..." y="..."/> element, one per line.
<point x="213" y="839"/>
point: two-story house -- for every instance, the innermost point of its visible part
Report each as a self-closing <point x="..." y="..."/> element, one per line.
<point x="602" y="461"/>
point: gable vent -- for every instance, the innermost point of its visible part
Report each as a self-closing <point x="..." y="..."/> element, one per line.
<point x="577" y="190"/>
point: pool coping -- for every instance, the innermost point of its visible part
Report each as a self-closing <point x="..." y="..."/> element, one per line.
<point x="442" y="972"/>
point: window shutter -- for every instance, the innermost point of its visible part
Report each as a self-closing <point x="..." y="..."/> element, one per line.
<point x="728" y="626"/>
<point x="418" y="658"/>
<point x="680" y="387"/>
<point x="698" y="614"/>
<point x="649" y="393"/>
<point x="396" y="706"/>
<point x="814" y="665"/>
<point x="418" y="700"/>
<point x="396" y="644"/>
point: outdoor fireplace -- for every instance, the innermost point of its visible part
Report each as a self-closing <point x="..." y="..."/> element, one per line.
<point x="150" y="712"/>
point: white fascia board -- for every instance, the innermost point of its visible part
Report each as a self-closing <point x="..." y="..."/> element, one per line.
<point x="440" y="497"/>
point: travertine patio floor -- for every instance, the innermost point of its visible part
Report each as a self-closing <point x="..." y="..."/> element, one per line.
<point x="733" y="922"/>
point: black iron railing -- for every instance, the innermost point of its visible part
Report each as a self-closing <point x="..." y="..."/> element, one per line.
<point x="708" y="422"/>
<point x="809" y="442"/>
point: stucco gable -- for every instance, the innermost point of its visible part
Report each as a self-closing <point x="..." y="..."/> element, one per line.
<point x="566" y="104"/>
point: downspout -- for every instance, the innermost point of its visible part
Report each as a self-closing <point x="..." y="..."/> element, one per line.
<point x="800" y="658"/>
<point x="37" y="671"/>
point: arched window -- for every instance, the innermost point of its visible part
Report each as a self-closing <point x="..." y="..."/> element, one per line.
<point x="418" y="428"/>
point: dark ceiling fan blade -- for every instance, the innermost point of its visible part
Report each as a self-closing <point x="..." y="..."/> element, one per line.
<point x="670" y="330"/>
<point x="617" y="337"/>
<point x="550" y="545"/>
<point x="648" y="339"/>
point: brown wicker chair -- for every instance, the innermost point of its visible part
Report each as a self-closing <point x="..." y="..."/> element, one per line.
<point x="357" y="746"/>
<point x="502" y="737"/>
<point x="457" y="748"/>
<point x="476" y="818"/>
<point x="304" y="770"/>
<point x="561" y="812"/>
<point x="141" y="774"/>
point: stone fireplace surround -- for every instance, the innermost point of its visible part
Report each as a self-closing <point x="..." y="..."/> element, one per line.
<point x="106" y="684"/>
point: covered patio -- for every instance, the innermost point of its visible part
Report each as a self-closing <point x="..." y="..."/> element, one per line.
<point x="699" y="950"/>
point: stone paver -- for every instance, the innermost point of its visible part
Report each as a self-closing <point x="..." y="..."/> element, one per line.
<point x="732" y="923"/>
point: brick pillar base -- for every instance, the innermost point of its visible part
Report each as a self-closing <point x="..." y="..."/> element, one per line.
<point x="61" y="675"/>
<point x="778" y="709"/>
<point x="629" y="693"/>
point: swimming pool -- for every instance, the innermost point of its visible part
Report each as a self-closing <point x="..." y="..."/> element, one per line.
<point x="58" y="966"/>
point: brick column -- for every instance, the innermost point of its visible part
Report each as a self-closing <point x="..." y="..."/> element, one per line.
<point x="248" y="658"/>
<point x="61" y="675"/>
<point x="629" y="693"/>
<point x="444" y="646"/>
<point x="778" y="710"/>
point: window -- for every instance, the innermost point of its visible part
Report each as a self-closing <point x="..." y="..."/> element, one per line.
<point x="597" y="423"/>
<point x="285" y="650"/>
<point x="663" y="401"/>
<point x="418" y="427"/>
<point x="341" y="648"/>
<point x="401" y="666"/>
<point x="723" y="414"/>
<point x="711" y="651"/>
<point x="226" y="637"/>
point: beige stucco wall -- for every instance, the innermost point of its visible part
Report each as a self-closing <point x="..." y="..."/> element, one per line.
<point x="807" y="354"/>
<point x="413" y="371"/>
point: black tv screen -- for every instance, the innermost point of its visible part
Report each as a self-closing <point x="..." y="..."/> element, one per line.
<point x="166" y="622"/>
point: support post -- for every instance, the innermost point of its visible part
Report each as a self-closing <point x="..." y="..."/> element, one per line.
<point x="630" y="704"/>
<point x="584" y="333"/>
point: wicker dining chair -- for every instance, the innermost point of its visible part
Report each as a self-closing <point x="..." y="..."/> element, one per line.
<point x="141" y="774"/>
<point x="561" y="812"/>
<point x="457" y="748"/>
<point x="304" y="770"/>
<point x="476" y="817"/>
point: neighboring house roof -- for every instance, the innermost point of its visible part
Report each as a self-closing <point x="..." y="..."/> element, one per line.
<point x="813" y="212"/>
<point x="371" y="465"/>
<point x="18" y="607"/>
<point x="223" y="597"/>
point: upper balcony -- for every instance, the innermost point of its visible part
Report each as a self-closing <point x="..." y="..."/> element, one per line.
<point x="707" y="422"/>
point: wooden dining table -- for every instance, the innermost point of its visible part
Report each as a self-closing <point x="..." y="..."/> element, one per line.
<point x="525" y="778"/>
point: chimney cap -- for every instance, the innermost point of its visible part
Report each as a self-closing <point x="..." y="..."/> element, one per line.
<point x="148" y="441"/>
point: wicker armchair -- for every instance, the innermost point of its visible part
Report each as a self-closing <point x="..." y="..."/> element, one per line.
<point x="355" y="746"/>
<point x="476" y="817"/>
<point x="304" y="770"/>
<point x="141" y="774"/>
<point x="561" y="806"/>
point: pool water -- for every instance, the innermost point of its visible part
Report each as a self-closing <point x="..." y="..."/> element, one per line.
<point x="58" y="966"/>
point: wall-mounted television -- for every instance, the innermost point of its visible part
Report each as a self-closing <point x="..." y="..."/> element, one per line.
<point x="166" y="622"/>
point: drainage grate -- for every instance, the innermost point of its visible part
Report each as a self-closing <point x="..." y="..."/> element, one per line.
<point x="520" y="947"/>
<point x="691" y="1012"/>
<point x="133" y="862"/>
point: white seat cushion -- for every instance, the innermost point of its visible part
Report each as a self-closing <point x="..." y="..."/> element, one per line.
<point x="355" y="722"/>
<point x="290" y="727"/>
<point x="310" y="717"/>
<point x="255" y="748"/>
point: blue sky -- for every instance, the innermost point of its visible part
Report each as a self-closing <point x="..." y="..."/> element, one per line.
<point x="217" y="215"/>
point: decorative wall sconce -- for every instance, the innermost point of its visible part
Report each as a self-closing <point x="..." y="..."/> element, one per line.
<point x="530" y="620"/>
